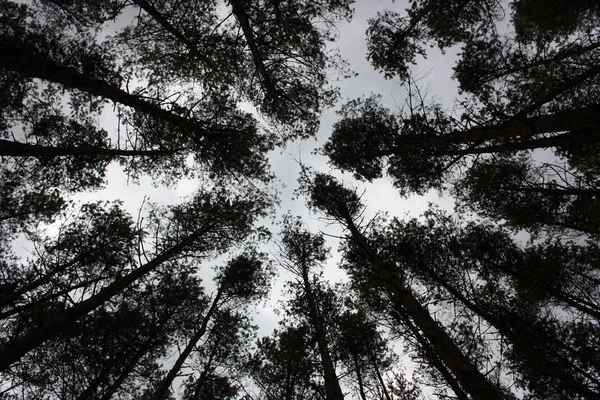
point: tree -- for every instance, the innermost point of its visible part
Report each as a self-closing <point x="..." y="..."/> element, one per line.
<point x="526" y="91"/>
<point x="363" y="351"/>
<point x="301" y="254"/>
<point x="114" y="349"/>
<point x="338" y="203"/>
<point x="421" y="149"/>
<point x="472" y="264"/>
<point x="244" y="279"/>
<point x="211" y="128"/>
<point x="282" y="365"/>
<point x="209" y="223"/>
<point x="271" y="52"/>
<point x="546" y="197"/>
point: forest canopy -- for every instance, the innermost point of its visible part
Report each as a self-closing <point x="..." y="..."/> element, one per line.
<point x="496" y="297"/>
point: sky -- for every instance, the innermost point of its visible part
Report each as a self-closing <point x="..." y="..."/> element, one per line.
<point x="432" y="73"/>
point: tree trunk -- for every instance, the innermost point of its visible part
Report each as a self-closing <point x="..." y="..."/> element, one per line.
<point x="89" y="392"/>
<point x="380" y="378"/>
<point x="165" y="384"/>
<point x="434" y="359"/>
<point x="586" y="120"/>
<point x="333" y="390"/>
<point x="33" y="65"/>
<point x="18" y="149"/>
<point x="202" y="378"/>
<point x="21" y="346"/>
<point x="536" y="358"/>
<point x="405" y="302"/>
<point x="573" y="138"/>
<point x="112" y="389"/>
<point x="361" y="386"/>
<point x="237" y="6"/>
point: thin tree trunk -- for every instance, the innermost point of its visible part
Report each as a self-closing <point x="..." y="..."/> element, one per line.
<point x="237" y="6"/>
<point x="380" y="378"/>
<point x="89" y="392"/>
<point x="112" y="389"/>
<point x="18" y="149"/>
<point x="165" y="384"/>
<point x="42" y="300"/>
<point x="202" y="378"/>
<point x="556" y="294"/>
<point x="573" y="138"/>
<point x="21" y="346"/>
<point x="548" y="191"/>
<point x="36" y="283"/>
<point x="560" y="56"/>
<point x="560" y="89"/>
<point x="333" y="390"/>
<point x="405" y="302"/>
<point x="361" y="386"/>
<point x="434" y="359"/>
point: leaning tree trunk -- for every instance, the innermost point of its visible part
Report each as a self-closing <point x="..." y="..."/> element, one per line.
<point x="434" y="359"/>
<point x="537" y="358"/>
<point x="19" y="149"/>
<point x="237" y="7"/>
<point x="585" y="120"/>
<point x="21" y="346"/>
<point x="112" y="389"/>
<point x="165" y="384"/>
<point x="470" y="378"/>
<point x="33" y="65"/>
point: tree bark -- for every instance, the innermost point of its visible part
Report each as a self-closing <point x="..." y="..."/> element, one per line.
<point x="165" y="384"/>
<point x="237" y="6"/>
<point x="434" y="359"/>
<point x="21" y="346"/>
<point x="573" y="138"/>
<point x="112" y="389"/>
<point x="361" y="386"/>
<point x="380" y="378"/>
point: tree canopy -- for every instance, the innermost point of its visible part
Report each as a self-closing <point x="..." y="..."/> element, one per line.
<point x="221" y="293"/>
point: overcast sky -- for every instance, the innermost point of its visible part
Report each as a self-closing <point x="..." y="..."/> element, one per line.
<point x="380" y="196"/>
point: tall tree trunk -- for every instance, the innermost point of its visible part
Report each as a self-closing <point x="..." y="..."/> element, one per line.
<point x="165" y="384"/>
<point x="202" y="378"/>
<point x="380" y="378"/>
<point x="33" y="65"/>
<point x="333" y="390"/>
<point x="361" y="386"/>
<point x="553" y="93"/>
<point x="90" y="391"/>
<point x="404" y="301"/>
<point x="538" y="359"/>
<point x="557" y="294"/>
<point x="18" y="149"/>
<point x="573" y="138"/>
<point x="237" y="6"/>
<point x="585" y="120"/>
<point x="434" y="359"/>
<point x="48" y="330"/>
